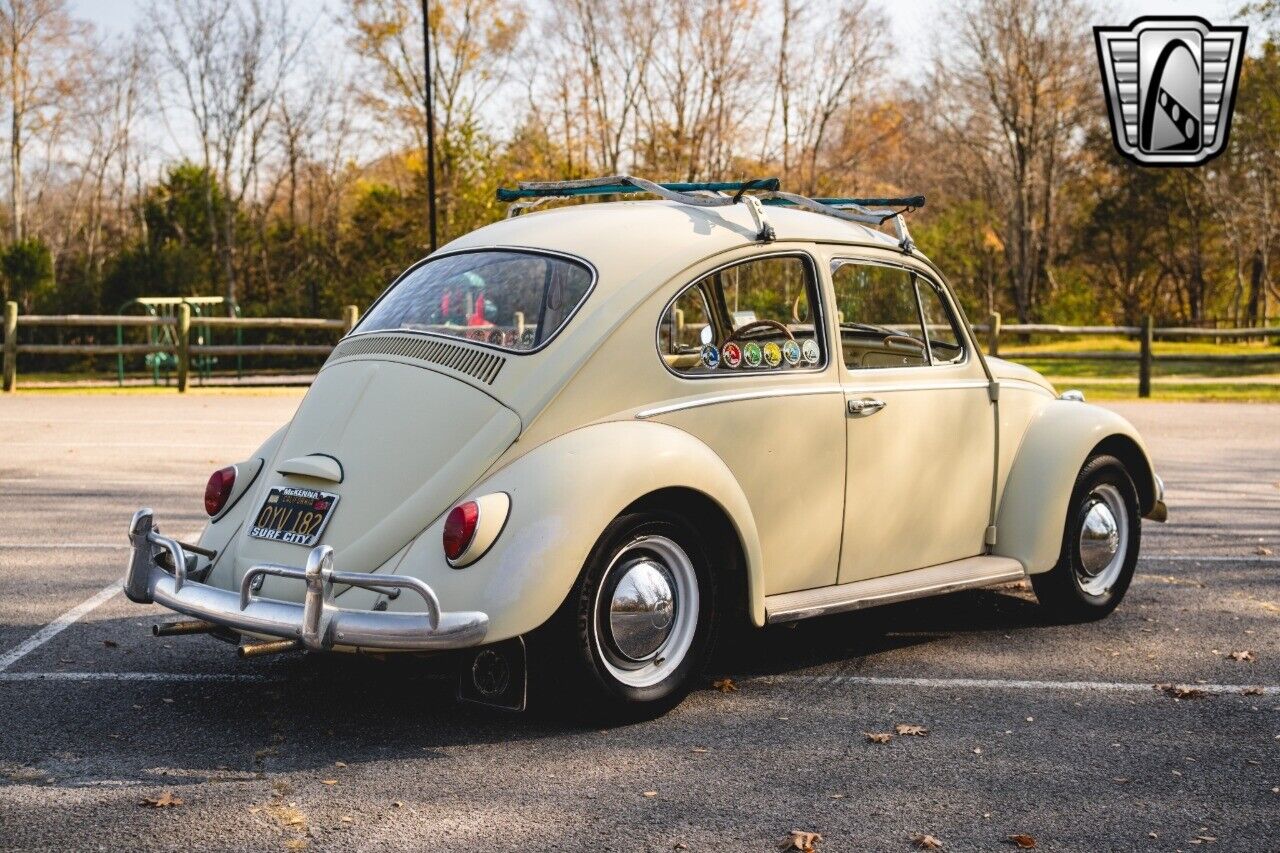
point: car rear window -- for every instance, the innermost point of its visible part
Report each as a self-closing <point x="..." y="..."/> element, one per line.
<point x="508" y="299"/>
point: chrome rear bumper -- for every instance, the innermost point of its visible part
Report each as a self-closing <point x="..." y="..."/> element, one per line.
<point x="318" y="623"/>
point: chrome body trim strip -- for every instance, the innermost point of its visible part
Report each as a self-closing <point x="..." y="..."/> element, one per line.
<point x="934" y="580"/>
<point x="948" y="385"/>
<point x="736" y="396"/>
<point x="318" y="622"/>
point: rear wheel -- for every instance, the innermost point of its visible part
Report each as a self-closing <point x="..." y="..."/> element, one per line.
<point x="634" y="634"/>
<point x="1099" y="545"/>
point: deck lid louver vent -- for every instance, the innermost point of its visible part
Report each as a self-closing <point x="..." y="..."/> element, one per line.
<point x="476" y="363"/>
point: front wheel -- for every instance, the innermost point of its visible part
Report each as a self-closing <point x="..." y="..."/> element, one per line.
<point x="634" y="634"/>
<point x="1099" y="545"/>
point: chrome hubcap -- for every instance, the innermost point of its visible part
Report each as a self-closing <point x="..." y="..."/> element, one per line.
<point x="641" y="610"/>
<point x="1103" y="539"/>
<point x="646" y="611"/>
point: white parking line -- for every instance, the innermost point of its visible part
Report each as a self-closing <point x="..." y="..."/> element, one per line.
<point x="42" y="546"/>
<point x="57" y="626"/>
<point x="129" y="676"/>
<point x="1011" y="684"/>
<point x="1190" y="558"/>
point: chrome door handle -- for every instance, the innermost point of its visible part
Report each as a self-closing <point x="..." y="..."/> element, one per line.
<point x="865" y="406"/>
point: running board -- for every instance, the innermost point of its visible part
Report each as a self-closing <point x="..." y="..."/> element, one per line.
<point x="935" y="580"/>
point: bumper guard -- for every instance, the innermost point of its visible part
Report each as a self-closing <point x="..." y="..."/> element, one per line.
<point x="318" y="623"/>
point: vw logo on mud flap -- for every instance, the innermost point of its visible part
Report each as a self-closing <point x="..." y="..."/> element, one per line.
<point x="1170" y="84"/>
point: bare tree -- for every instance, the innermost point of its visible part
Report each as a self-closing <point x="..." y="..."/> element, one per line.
<point x="37" y="38"/>
<point x="1010" y="91"/>
<point x="473" y="50"/>
<point x="230" y="62"/>
<point x="835" y="76"/>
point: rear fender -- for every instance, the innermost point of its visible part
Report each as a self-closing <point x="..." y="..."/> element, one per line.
<point x="563" y="495"/>
<point x="1033" y="507"/>
<point x="221" y="529"/>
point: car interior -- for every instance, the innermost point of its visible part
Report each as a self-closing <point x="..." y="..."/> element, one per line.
<point x="888" y="316"/>
<point x="763" y="300"/>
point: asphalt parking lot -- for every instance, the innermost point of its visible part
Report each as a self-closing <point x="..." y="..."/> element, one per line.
<point x="1053" y="732"/>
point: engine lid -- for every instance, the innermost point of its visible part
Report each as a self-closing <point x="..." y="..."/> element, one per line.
<point x="408" y="443"/>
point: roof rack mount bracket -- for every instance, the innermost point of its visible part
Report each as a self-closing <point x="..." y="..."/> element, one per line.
<point x="905" y="243"/>
<point x="765" y="232"/>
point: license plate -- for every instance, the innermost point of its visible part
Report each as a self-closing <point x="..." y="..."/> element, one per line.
<point x="296" y="516"/>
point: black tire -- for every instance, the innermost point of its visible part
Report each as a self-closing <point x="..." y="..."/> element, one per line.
<point x="573" y="658"/>
<point x="1079" y="591"/>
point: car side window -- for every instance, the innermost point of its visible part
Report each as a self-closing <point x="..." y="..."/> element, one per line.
<point x="685" y="324"/>
<point x="891" y="317"/>
<point x="757" y="315"/>
<point x="945" y="342"/>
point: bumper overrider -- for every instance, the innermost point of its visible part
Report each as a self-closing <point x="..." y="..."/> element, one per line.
<point x="317" y="623"/>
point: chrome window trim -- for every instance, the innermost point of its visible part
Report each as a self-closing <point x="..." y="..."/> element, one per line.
<point x="953" y="385"/>
<point x="819" y="321"/>
<point x="528" y="250"/>
<point x="706" y="309"/>
<point x="957" y="318"/>
<point x="737" y="396"/>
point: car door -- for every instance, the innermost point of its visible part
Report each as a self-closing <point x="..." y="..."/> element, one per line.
<point x="753" y="377"/>
<point x="920" y="425"/>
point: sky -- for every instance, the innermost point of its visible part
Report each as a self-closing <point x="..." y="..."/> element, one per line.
<point x="914" y="25"/>
<point x="913" y="21"/>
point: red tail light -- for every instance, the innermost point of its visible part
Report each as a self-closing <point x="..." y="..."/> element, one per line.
<point x="460" y="529"/>
<point x="218" y="490"/>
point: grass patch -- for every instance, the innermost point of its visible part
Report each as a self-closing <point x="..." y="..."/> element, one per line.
<point x="1198" y="392"/>
<point x="1025" y="354"/>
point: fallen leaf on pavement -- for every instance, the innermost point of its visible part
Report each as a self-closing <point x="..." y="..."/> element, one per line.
<point x="1245" y="655"/>
<point x="111" y="644"/>
<point x="798" y="839"/>
<point x="1262" y="552"/>
<point x="910" y="729"/>
<point x="650" y="794"/>
<point x="339" y="764"/>
<point x="725" y="685"/>
<point x="165" y="801"/>
<point x="1181" y="691"/>
<point x="878" y="737"/>
<point x="328" y="781"/>
<point x="1023" y="842"/>
<point x="927" y="842"/>
<point x="1252" y="691"/>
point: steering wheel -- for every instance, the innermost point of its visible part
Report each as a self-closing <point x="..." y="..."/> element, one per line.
<point x="903" y="341"/>
<point x="742" y="331"/>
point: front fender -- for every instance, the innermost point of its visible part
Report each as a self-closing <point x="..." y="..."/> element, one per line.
<point x="563" y="494"/>
<point x="1059" y="440"/>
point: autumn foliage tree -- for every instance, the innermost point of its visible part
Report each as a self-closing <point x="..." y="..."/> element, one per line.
<point x="275" y="154"/>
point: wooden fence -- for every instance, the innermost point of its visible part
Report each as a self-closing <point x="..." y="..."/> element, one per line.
<point x="1146" y="335"/>
<point x="183" y="350"/>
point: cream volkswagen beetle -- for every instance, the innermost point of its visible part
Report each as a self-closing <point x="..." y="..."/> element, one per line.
<point x="575" y="443"/>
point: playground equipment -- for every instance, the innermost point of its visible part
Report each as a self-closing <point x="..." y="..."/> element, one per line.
<point x="166" y="336"/>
